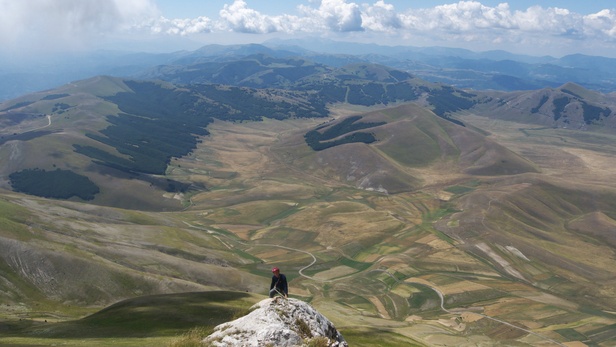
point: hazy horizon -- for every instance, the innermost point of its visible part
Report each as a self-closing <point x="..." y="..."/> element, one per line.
<point x="34" y="29"/>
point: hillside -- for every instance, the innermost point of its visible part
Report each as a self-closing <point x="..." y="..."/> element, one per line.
<point x="406" y="142"/>
<point x="489" y="70"/>
<point x="463" y="68"/>
<point x="156" y="320"/>
<point x="118" y="136"/>
<point x="568" y="106"/>
<point x="132" y="130"/>
<point x="362" y="83"/>
<point x="406" y="212"/>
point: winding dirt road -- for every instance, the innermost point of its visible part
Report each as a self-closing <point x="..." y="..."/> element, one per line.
<point x="217" y="235"/>
<point x="42" y="127"/>
<point x="416" y="280"/>
<point x="442" y="298"/>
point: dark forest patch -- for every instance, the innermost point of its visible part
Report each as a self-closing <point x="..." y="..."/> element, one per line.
<point x="319" y="141"/>
<point x="57" y="184"/>
<point x="158" y="123"/>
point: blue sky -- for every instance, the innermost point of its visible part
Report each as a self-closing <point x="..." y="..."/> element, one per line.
<point x="530" y="27"/>
<point x="190" y="8"/>
<point x="523" y="26"/>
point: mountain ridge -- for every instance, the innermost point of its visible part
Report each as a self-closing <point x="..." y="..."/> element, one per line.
<point x="428" y="213"/>
<point x="371" y="84"/>
<point x="133" y="119"/>
<point x="459" y="67"/>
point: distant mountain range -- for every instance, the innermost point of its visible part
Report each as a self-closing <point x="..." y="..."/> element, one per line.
<point x="406" y="209"/>
<point x="141" y="125"/>
<point x="568" y="105"/>
<point x="497" y="70"/>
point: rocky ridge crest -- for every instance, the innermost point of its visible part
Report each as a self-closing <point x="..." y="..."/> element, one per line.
<point x="278" y="322"/>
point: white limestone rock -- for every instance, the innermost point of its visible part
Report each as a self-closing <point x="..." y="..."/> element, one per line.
<point x="277" y="322"/>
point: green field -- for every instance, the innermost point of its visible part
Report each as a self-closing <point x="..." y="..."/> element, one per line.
<point x="466" y="241"/>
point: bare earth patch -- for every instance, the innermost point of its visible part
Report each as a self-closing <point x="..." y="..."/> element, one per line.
<point x="380" y="307"/>
<point x="337" y="271"/>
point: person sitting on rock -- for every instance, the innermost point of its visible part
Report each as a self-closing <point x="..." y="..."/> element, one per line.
<point x="279" y="284"/>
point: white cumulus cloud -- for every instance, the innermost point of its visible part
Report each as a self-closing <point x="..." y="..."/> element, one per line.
<point x="335" y="15"/>
<point x="239" y="17"/>
<point x="75" y="22"/>
<point x="48" y="23"/>
<point x="182" y="27"/>
<point x="380" y="17"/>
<point x="463" y="20"/>
<point x="602" y="23"/>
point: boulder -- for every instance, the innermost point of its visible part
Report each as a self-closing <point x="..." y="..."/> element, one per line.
<point x="278" y="322"/>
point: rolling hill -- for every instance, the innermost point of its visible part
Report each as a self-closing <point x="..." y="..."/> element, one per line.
<point x="568" y="106"/>
<point x="407" y="140"/>
<point x="114" y="134"/>
<point x="462" y="68"/>
<point x="405" y="211"/>
<point x="563" y="105"/>
<point x="494" y="70"/>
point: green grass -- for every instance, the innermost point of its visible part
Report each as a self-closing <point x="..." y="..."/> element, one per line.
<point x="138" y="321"/>
<point x="140" y="218"/>
<point x="282" y="215"/>
<point x="458" y="190"/>
<point x="572" y="335"/>
<point x="256" y="212"/>
<point x="424" y="299"/>
<point x="88" y="342"/>
<point x="603" y="334"/>
<point x="9" y="227"/>
<point x="247" y="256"/>
<point x="473" y="297"/>
<point x="434" y="215"/>
<point x="19" y="290"/>
<point x="13" y="221"/>
<point x="403" y="309"/>
<point x="368" y="337"/>
<point x="356" y="301"/>
<point x="423" y="135"/>
<point x="155" y="322"/>
<point x="103" y="86"/>
<point x="357" y="265"/>
<point x="192" y="338"/>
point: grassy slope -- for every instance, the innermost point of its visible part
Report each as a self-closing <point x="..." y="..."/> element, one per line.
<point x="379" y="257"/>
<point x="143" y="321"/>
<point x="85" y="114"/>
<point x="93" y="255"/>
<point x="161" y="320"/>
<point x="348" y="233"/>
<point x="412" y="140"/>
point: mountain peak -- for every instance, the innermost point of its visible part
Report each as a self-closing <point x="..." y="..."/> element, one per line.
<point x="278" y="322"/>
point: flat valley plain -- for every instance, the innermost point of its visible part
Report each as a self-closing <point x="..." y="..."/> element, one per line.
<point x="463" y="260"/>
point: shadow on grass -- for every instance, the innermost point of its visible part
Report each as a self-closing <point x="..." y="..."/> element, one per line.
<point x="23" y="137"/>
<point x="369" y="337"/>
<point x="150" y="316"/>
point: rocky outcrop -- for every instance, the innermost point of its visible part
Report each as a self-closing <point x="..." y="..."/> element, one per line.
<point x="278" y="322"/>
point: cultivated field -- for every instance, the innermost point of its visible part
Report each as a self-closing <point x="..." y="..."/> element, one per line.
<point x="388" y="260"/>
<point x="462" y="254"/>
